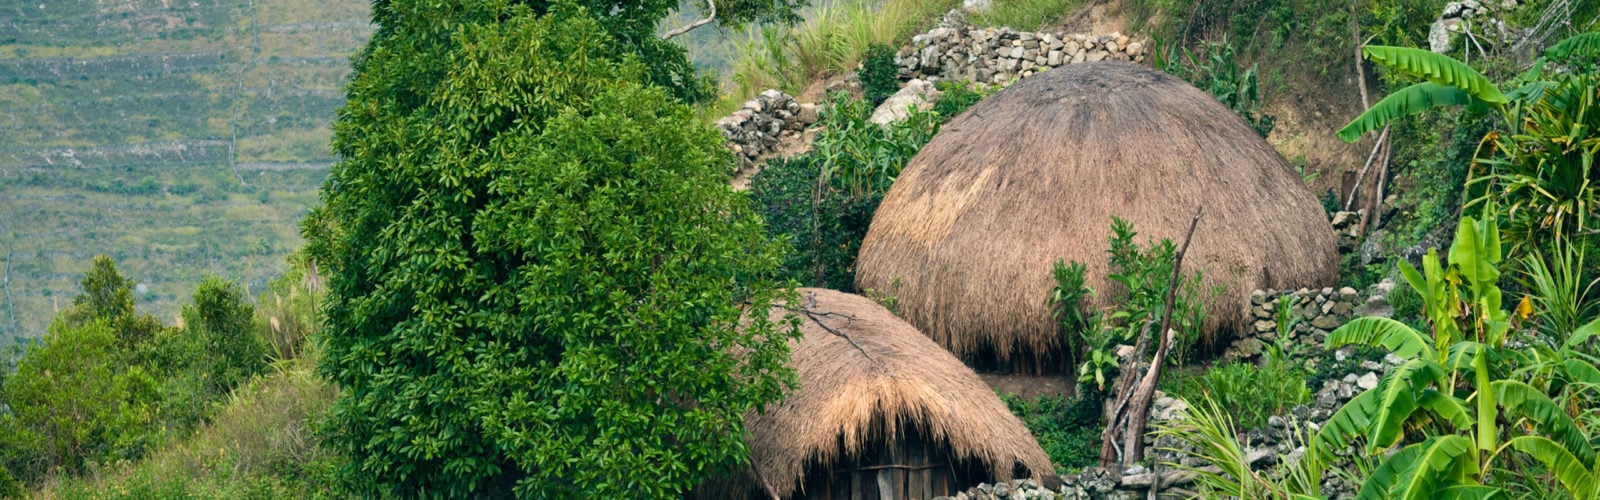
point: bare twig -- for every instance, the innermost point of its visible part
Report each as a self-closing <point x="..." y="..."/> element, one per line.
<point x="1361" y="73"/>
<point x="1140" y="411"/>
<point x="1137" y="402"/>
<point x="816" y="317"/>
<point x="691" y="26"/>
<point x="1384" y="136"/>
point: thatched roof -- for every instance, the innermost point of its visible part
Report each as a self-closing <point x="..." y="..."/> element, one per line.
<point x="866" y="376"/>
<point x="966" y="237"/>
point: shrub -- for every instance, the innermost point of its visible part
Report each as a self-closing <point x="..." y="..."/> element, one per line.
<point x="75" y="401"/>
<point x="1252" y="393"/>
<point x="1144" y="273"/>
<point x="1067" y="428"/>
<point x="879" y="75"/>
<point x="290" y="310"/>
<point x="823" y="202"/>
<point x="537" y="269"/>
<point x="955" y="97"/>
<point x="1027" y="15"/>
<point x="1216" y="72"/>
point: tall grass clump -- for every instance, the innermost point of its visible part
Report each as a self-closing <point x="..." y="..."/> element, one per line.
<point x="831" y="40"/>
<point x="1027" y="15"/>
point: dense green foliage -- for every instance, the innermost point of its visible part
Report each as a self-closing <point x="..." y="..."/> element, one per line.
<point x="879" y="75"/>
<point x="108" y="383"/>
<point x="535" y="261"/>
<point x="822" y="202"/>
<point x="1067" y="428"/>
<point x="1250" y="393"/>
<point x="1216" y="72"/>
<point x="1069" y="305"/>
<point x="1144" y="274"/>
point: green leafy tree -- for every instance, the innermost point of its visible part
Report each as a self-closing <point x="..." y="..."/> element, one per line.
<point x="108" y="295"/>
<point x="73" y="401"/>
<point x="536" y="268"/>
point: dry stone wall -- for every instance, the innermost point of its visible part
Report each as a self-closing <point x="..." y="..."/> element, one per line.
<point x="955" y="51"/>
<point x="753" y="131"/>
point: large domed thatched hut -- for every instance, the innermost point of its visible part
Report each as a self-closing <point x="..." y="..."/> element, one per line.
<point x="880" y="406"/>
<point x="966" y="237"/>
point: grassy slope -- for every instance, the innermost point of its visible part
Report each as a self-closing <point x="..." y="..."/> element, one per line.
<point x="127" y="127"/>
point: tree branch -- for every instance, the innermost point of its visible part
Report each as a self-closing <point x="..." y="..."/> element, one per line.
<point x="1139" y="412"/>
<point x="709" y="18"/>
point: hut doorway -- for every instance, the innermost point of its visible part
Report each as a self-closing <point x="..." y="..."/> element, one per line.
<point x="908" y="467"/>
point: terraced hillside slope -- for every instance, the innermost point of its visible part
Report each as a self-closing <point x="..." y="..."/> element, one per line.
<point x="180" y="137"/>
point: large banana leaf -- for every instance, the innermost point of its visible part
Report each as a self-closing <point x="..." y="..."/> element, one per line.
<point x="1407" y="101"/>
<point x="1353" y="419"/>
<point x="1470" y="492"/>
<point x="1578" y="480"/>
<point x="1587" y="43"/>
<point x="1447" y="408"/>
<point x="1436" y="68"/>
<point x="1374" y="331"/>
<point x="1423" y="470"/>
<point x="1550" y="420"/>
<point x="1387" y="475"/>
<point x="1476" y="252"/>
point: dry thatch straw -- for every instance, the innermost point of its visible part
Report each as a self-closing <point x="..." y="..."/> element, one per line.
<point x="966" y="237"/>
<point x="865" y="377"/>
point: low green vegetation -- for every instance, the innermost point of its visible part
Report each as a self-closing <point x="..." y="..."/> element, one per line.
<point x="1250" y="393"/>
<point x="1067" y="428"/>
<point x="821" y="202"/>
<point x="109" y="384"/>
<point x="1027" y="15"/>
<point x="1216" y="72"/>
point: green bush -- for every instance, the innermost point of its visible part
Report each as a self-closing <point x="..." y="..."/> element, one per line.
<point x="822" y="202"/>
<point x="1067" y="428"/>
<point x="955" y="97"/>
<point x="1216" y="72"/>
<point x="879" y="75"/>
<point x="537" y="270"/>
<point x="75" y="401"/>
<point x="1144" y="273"/>
<point x="1251" y="392"/>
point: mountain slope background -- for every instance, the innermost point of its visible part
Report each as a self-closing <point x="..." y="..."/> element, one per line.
<point x="179" y="137"/>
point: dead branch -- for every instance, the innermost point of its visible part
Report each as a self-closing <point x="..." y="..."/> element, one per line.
<point x="1138" y="410"/>
<point x="702" y="22"/>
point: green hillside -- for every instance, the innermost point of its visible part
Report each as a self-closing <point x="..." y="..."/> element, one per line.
<point x="180" y="138"/>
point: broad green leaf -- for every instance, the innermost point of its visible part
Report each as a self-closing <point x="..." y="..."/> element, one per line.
<point x="1397" y="400"/>
<point x="1436" y="68"/>
<point x="1522" y="400"/>
<point x="1442" y="461"/>
<point x="1382" y="481"/>
<point x="1350" y="421"/>
<point x="1470" y="492"/>
<point x="1395" y="336"/>
<point x="1404" y="102"/>
<point x="1472" y="254"/>
<point x="1582" y="334"/>
<point x="1587" y="43"/>
<point x="1567" y="468"/>
<point x="1447" y="408"/>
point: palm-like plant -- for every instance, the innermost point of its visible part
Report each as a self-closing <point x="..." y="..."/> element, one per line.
<point x="1541" y="161"/>
<point x="1456" y="387"/>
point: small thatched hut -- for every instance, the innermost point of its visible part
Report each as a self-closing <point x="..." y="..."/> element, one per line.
<point x="966" y="237"/>
<point x="881" y="412"/>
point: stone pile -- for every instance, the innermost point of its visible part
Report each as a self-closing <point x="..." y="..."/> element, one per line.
<point x="1459" y="17"/>
<point x="1017" y="489"/>
<point x="753" y="131"/>
<point x="1347" y="225"/>
<point x="1313" y="314"/>
<point x="954" y="51"/>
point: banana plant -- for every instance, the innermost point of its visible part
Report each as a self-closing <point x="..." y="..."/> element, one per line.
<point x="1449" y="83"/>
<point x="1462" y="303"/>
